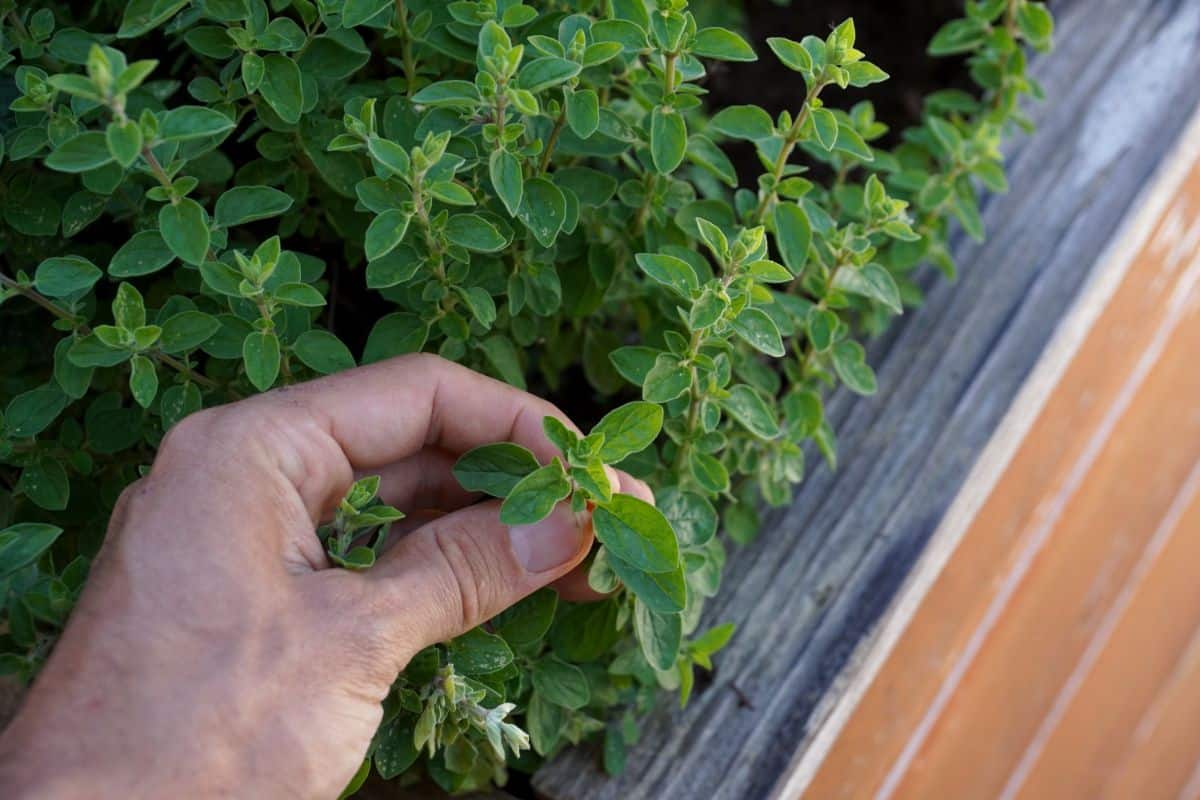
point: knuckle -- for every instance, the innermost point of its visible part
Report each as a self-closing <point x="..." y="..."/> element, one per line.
<point x="469" y="573"/>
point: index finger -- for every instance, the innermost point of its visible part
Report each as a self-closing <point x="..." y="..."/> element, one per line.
<point x="384" y="412"/>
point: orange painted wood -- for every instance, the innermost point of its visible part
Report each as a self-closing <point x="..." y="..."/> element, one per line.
<point x="956" y="708"/>
<point x="1136" y="660"/>
<point x="1155" y="762"/>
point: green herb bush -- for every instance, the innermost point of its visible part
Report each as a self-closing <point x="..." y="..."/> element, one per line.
<point x="537" y="191"/>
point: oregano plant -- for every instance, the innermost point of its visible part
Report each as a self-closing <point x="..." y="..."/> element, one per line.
<point x="539" y="191"/>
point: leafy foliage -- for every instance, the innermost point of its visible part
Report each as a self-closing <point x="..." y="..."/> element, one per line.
<point x="529" y="188"/>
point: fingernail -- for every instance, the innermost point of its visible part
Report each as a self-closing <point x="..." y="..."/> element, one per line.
<point x="549" y="543"/>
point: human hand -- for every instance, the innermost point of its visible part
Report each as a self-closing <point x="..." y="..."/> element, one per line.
<point x="215" y="653"/>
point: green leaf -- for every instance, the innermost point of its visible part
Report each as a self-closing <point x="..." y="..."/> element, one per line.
<point x="393" y="335"/>
<point x="527" y="622"/>
<point x="871" y="281"/>
<point x="542" y="73"/>
<point x="46" y="484"/>
<point x="64" y="276"/>
<point x="478" y="652"/>
<point x="821" y="324"/>
<point x="394" y="750"/>
<point x="759" y="331"/>
<point x="825" y="124"/>
<point x="668" y="139"/>
<point x="561" y="683"/>
<point x="128" y="307"/>
<point x="143" y="254"/>
<point x="851" y="142"/>
<point x="359" y="12"/>
<point x="494" y="469"/>
<point x="670" y="271"/>
<point x="260" y="352"/>
<point x="1036" y="24"/>
<point x="535" y="496"/>
<point x="23" y="543"/>
<point x="691" y="515"/>
<point x="543" y="210"/>
<point x="398" y="266"/>
<point x="958" y="36"/>
<point x="390" y="155"/>
<point x="743" y="122"/>
<point x="186" y="331"/>
<point x="793" y="234"/>
<point x="864" y="73"/>
<point x="299" y="294"/>
<point x="505" y="172"/>
<point x="448" y="93"/>
<point x="80" y="153"/>
<point x="792" y="54"/>
<point x="243" y="204"/>
<point x="281" y="87"/>
<point x="184" y="228"/>
<point x="143" y="381"/>
<point x="91" y="352"/>
<point x="385" y="232"/>
<point x="628" y="429"/>
<point x="192" y="122"/>
<point x="749" y="408"/>
<point x="322" y="352"/>
<point x="143" y="16"/>
<point x="124" y="141"/>
<point x="662" y="592"/>
<point x="583" y="112"/>
<point x="636" y="532"/>
<point x="709" y="472"/>
<point x="702" y="152"/>
<point x="659" y="635"/>
<point x="474" y="233"/>
<point x="666" y="380"/>
<point x="849" y="360"/>
<point x="722" y="44"/>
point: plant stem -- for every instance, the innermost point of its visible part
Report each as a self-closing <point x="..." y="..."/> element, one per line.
<point x="406" y="53"/>
<point x="789" y="144"/>
<point x="62" y="313"/>
<point x="553" y="139"/>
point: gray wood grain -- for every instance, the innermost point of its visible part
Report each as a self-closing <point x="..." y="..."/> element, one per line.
<point x="1123" y="82"/>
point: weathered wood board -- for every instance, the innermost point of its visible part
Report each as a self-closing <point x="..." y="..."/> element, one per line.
<point x="1124" y="81"/>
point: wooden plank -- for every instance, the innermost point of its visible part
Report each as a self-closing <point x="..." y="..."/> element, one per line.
<point x="1127" y="664"/>
<point x="1073" y="553"/>
<point x="1085" y="408"/>
<point x="1155" y="761"/>
<point x="805" y="594"/>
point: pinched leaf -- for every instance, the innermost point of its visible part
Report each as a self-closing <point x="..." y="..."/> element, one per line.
<point x="494" y="469"/>
<point x="636" y="532"/>
<point x="535" y="496"/>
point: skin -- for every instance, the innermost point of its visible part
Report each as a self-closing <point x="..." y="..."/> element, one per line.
<point x="215" y="653"/>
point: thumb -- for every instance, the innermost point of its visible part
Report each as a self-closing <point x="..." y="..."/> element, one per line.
<point x="463" y="568"/>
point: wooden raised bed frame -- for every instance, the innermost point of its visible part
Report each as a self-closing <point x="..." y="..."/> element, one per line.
<point x="996" y="594"/>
